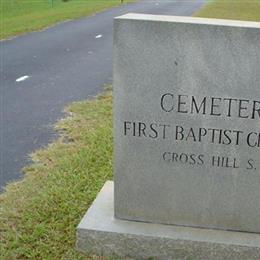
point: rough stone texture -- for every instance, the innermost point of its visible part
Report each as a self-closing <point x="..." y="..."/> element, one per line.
<point x="155" y="55"/>
<point x="100" y="233"/>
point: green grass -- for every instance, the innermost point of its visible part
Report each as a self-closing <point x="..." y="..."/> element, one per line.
<point x="248" y="10"/>
<point x="21" y="16"/>
<point x="39" y="215"/>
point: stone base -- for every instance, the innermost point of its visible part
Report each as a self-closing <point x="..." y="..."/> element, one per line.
<point x="100" y="233"/>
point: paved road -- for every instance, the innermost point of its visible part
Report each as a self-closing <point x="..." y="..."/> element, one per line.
<point x="41" y="72"/>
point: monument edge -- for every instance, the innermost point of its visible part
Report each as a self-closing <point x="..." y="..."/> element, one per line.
<point x="100" y="233"/>
<point x="189" y="20"/>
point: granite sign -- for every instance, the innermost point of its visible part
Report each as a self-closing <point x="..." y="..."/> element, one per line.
<point x="187" y="128"/>
<point x="187" y="123"/>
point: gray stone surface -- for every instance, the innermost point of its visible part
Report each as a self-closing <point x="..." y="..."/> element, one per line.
<point x="100" y="233"/>
<point x="186" y="118"/>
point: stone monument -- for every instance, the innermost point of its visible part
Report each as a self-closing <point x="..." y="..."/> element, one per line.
<point x="187" y="142"/>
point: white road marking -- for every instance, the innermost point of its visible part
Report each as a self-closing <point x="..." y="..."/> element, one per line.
<point x="22" y="78"/>
<point x="68" y="49"/>
<point x="157" y="4"/>
<point x="98" y="36"/>
<point x="90" y="52"/>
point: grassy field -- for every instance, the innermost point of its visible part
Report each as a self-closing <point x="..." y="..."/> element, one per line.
<point x="20" y="16"/>
<point x="39" y="215"/>
<point x="232" y="9"/>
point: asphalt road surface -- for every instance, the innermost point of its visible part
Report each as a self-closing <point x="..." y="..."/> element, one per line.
<point x="42" y="72"/>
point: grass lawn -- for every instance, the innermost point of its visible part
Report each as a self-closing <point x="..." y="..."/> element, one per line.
<point x="248" y="10"/>
<point x="39" y="215"/>
<point x="20" y="16"/>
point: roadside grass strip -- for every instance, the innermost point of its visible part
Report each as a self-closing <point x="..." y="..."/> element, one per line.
<point x="248" y="10"/>
<point x="39" y="215"/>
<point x="22" y="16"/>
